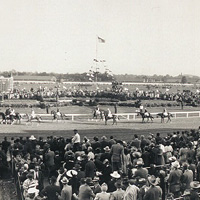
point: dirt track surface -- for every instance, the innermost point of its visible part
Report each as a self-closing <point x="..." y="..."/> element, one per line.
<point x="123" y="130"/>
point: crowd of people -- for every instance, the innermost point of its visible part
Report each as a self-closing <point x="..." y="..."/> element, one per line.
<point x="150" y="167"/>
<point x="122" y="92"/>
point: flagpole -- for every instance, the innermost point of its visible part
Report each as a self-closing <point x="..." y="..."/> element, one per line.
<point x="96" y="59"/>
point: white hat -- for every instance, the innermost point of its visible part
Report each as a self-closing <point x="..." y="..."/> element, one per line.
<point x="71" y="173"/>
<point x="115" y="174"/>
<point x="64" y="180"/>
<point x="175" y="164"/>
<point x="32" y="191"/>
<point x="32" y="137"/>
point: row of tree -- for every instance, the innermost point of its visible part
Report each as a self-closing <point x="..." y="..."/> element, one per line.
<point x="104" y="77"/>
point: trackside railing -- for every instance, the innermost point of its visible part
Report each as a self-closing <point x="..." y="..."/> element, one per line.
<point x="127" y="116"/>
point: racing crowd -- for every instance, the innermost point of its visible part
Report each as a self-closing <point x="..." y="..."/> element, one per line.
<point x="187" y="96"/>
<point x="150" y="167"/>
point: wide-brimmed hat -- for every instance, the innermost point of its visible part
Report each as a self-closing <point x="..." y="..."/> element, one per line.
<point x="71" y="173"/>
<point x="172" y="159"/>
<point x="139" y="163"/>
<point x="32" y="191"/>
<point x="176" y="164"/>
<point x="195" y="184"/>
<point x="153" y="180"/>
<point x="104" y="137"/>
<point x="96" y="179"/>
<point x="106" y="149"/>
<point x="88" y="181"/>
<point x="64" y="180"/>
<point x="32" y="137"/>
<point x="115" y="174"/>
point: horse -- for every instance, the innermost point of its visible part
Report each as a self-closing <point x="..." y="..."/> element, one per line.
<point x="143" y="115"/>
<point x="97" y="113"/>
<point x="57" y="115"/>
<point x="12" y="118"/>
<point x="114" y="117"/>
<point x="31" y="118"/>
<point x="162" y="116"/>
<point x="3" y="117"/>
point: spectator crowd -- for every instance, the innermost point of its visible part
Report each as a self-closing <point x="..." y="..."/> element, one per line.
<point x="150" y="167"/>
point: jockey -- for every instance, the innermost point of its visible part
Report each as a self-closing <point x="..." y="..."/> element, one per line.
<point x="141" y="108"/>
<point x="165" y="113"/>
<point x="58" y="112"/>
<point x="109" y="113"/>
<point x="97" y="108"/>
<point x="12" y="112"/>
<point x="32" y="113"/>
<point x="146" y="113"/>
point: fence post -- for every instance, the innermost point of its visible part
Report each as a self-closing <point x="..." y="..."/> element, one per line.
<point x="134" y="116"/>
<point x="187" y="115"/>
<point x="72" y="117"/>
<point x="128" y="116"/>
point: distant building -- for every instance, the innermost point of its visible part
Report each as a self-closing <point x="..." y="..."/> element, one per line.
<point x="35" y="79"/>
<point x="6" y="84"/>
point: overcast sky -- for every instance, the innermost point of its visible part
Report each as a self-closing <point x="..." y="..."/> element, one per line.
<point x="141" y="36"/>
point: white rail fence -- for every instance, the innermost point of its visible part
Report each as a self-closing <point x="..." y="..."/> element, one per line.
<point x="125" y="116"/>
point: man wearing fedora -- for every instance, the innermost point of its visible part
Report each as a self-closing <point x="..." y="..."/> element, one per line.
<point x="154" y="192"/>
<point x="174" y="179"/>
<point x="111" y="184"/>
<point x="66" y="193"/>
<point x="141" y="172"/>
<point x="118" y="194"/>
<point x="97" y="187"/>
<point x="85" y="191"/>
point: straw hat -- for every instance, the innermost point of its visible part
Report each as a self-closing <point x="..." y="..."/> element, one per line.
<point x="32" y="137"/>
<point x="71" y="173"/>
<point x="115" y="174"/>
<point x="64" y="180"/>
<point x="172" y="159"/>
<point x="195" y="184"/>
<point x="106" y="149"/>
<point x="96" y="179"/>
<point x="140" y="163"/>
<point x="176" y="165"/>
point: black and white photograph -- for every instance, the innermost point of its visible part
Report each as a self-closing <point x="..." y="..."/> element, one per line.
<point x="100" y="100"/>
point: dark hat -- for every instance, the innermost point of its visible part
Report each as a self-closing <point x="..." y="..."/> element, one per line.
<point x="29" y="175"/>
<point x="75" y="130"/>
<point x="132" y="181"/>
<point x="118" y="184"/>
<point x="88" y="181"/>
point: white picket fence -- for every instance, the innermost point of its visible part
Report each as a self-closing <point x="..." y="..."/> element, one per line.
<point x="125" y="116"/>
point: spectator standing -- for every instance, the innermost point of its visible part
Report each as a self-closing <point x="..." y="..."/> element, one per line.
<point x="116" y="152"/>
<point x="76" y="141"/>
<point x="51" y="191"/>
<point x="66" y="193"/>
<point x="154" y="192"/>
<point x="131" y="191"/>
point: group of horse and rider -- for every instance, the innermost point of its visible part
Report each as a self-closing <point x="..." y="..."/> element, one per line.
<point x="145" y="114"/>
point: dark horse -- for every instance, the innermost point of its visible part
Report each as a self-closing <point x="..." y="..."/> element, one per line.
<point x="114" y="117"/>
<point x="162" y="116"/>
<point x="143" y="115"/>
<point x="99" y="113"/>
<point x="12" y="118"/>
<point x="57" y="115"/>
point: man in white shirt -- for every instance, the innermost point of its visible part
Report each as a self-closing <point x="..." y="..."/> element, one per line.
<point x="131" y="191"/>
<point x="76" y="141"/>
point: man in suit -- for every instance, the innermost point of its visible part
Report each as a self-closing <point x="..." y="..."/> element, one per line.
<point x="85" y="191"/>
<point x="49" y="161"/>
<point x="119" y="193"/>
<point x="39" y="177"/>
<point x="116" y="152"/>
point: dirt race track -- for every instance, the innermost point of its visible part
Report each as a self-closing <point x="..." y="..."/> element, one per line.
<point x="123" y="130"/>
